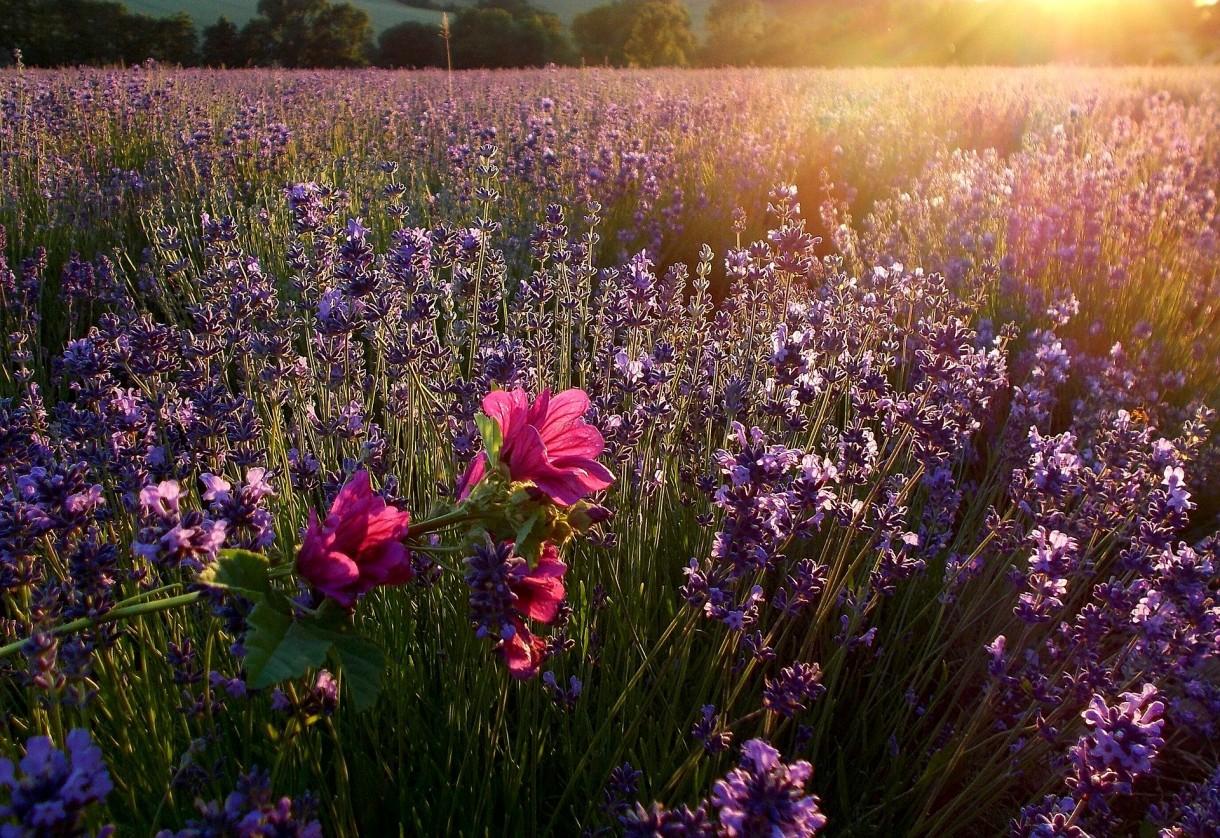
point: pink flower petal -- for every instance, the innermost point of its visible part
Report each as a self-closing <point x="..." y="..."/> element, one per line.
<point x="568" y="406"/>
<point x="537" y="413"/>
<point x="392" y="566"/>
<point x="358" y="546"/>
<point x="352" y="496"/>
<point x="563" y="488"/>
<point x="474" y="473"/>
<point x="547" y="443"/>
<point x="332" y="570"/>
<point x="575" y="441"/>
<point x="509" y="409"/>
<point x="523" y="653"/>
<point x="540" y="593"/>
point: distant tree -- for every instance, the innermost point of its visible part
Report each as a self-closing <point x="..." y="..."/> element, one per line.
<point x="736" y="33"/>
<point x="222" y="45"/>
<point x="308" y="33"/>
<point x="660" y="36"/>
<point x="342" y="36"/>
<point x="53" y="33"/>
<point x="508" y="33"/>
<point x="19" y="22"/>
<point x="602" y="32"/>
<point x="640" y="33"/>
<point x="411" y="44"/>
<point x="168" y="39"/>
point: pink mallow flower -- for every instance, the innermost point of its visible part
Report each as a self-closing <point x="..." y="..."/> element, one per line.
<point x="547" y="443"/>
<point x="358" y="546"/>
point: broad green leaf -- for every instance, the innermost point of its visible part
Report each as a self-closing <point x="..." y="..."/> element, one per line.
<point x="240" y="571"/>
<point x="489" y="429"/>
<point x="279" y="647"/>
<point x="361" y="661"/>
<point x="333" y="617"/>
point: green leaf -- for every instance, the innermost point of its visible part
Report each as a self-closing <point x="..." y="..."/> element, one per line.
<point x="279" y="647"/>
<point x="361" y="661"/>
<point x="333" y="617"/>
<point x="240" y="571"/>
<point x="489" y="429"/>
<point x="936" y="767"/>
<point x="529" y="538"/>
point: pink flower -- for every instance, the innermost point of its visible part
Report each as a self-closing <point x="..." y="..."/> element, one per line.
<point x="357" y="547"/>
<point x="546" y="443"/>
<point x="538" y="595"/>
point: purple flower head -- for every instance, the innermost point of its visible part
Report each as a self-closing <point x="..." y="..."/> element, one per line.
<point x="1175" y="487"/>
<point x="258" y="484"/>
<point x="710" y="730"/>
<point x="1124" y="741"/>
<point x="766" y="797"/>
<point x="659" y="822"/>
<point x="252" y="812"/>
<point x="1052" y="818"/>
<point x="216" y="489"/>
<point x="795" y="687"/>
<point x="53" y="789"/>
<point x="161" y="500"/>
<point x="621" y="788"/>
<point x="564" y="697"/>
<point x="1195" y="813"/>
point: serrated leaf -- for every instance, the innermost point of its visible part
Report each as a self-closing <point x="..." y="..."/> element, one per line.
<point x="240" y="571"/>
<point x="362" y="662"/>
<point x="493" y="440"/>
<point x="279" y="647"/>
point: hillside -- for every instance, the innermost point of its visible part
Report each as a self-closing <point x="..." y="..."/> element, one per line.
<point x="568" y="9"/>
<point x="383" y="13"/>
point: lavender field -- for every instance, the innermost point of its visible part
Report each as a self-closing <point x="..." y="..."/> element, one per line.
<point x="578" y="452"/>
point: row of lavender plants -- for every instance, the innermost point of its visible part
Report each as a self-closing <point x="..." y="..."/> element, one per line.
<point x="904" y="514"/>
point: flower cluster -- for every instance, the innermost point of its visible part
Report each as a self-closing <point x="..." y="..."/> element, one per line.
<point x="54" y="790"/>
<point x="504" y="592"/>
<point x="251" y="810"/>
<point x="938" y="467"/>
<point x="358" y="546"/>
<point x="545" y="443"/>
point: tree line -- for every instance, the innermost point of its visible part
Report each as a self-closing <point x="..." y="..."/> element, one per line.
<point x="642" y="33"/>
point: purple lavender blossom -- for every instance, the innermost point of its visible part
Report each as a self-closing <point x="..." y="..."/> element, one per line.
<point x="764" y="796"/>
<point x="1122" y="745"/>
<point x="659" y="822"/>
<point x="251" y="811"/>
<point x="53" y="790"/>
<point x="796" y="686"/>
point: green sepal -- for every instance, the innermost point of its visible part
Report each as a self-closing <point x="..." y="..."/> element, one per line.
<point x="241" y="572"/>
<point x="493" y="440"/>
<point x="528" y="540"/>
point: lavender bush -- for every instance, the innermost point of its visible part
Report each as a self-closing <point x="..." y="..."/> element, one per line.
<point x="913" y="521"/>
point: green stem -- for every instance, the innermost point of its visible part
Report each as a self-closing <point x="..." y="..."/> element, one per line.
<point x="138" y="610"/>
<point x="454" y="516"/>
